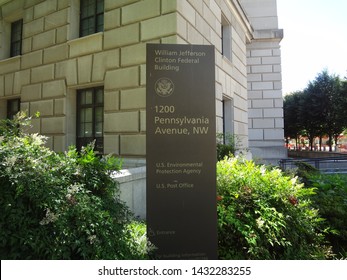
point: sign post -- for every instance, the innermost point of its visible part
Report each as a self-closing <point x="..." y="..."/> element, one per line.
<point x="181" y="151"/>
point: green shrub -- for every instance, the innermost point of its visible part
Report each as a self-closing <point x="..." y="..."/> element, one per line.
<point x="227" y="144"/>
<point x="263" y="214"/>
<point x="139" y="243"/>
<point x="331" y="200"/>
<point x="303" y="170"/>
<point x="59" y="206"/>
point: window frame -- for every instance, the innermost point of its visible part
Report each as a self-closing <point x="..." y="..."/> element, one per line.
<point x="226" y="38"/>
<point x="95" y="17"/>
<point x="14" y="41"/>
<point x="84" y="140"/>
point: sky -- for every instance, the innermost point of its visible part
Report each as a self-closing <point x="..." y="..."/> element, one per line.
<point x="315" y="38"/>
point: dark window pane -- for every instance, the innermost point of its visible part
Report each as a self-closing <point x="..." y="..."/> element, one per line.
<point x="82" y="97"/>
<point x="16" y="38"/>
<point x="91" y="16"/>
<point x="16" y="48"/>
<point x="13" y="107"/>
<point x="81" y="130"/>
<point x="90" y="117"/>
<point x="100" y="23"/>
<point x="100" y="6"/>
<point x="99" y="96"/>
<point x="84" y="24"/>
<point x="84" y="11"/>
<point x="91" y="9"/>
<point x="89" y="97"/>
<point x="91" y="25"/>
<point x="82" y="116"/>
<point x="99" y="114"/>
<point x="87" y="8"/>
<point x="99" y="129"/>
<point x="88" y="129"/>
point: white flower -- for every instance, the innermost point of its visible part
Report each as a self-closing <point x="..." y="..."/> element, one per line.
<point x="72" y="189"/>
<point x="92" y="238"/>
<point x="50" y="217"/>
<point x="260" y="222"/>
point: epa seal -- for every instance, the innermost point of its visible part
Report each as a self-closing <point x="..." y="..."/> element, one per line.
<point x="164" y="87"/>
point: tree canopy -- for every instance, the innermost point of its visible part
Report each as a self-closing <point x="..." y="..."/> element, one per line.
<point x="318" y="110"/>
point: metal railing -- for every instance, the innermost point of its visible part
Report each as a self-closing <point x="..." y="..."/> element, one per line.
<point x="324" y="165"/>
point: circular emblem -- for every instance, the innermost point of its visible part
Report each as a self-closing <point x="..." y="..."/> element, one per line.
<point x="164" y="87"/>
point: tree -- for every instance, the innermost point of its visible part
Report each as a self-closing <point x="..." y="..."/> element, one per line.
<point x="328" y="104"/>
<point x="343" y="103"/>
<point x="309" y="114"/>
<point x="59" y="206"/>
<point x="292" y="124"/>
<point x="318" y="110"/>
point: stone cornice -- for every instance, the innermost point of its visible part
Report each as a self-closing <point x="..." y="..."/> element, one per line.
<point x="268" y="34"/>
<point x="239" y="13"/>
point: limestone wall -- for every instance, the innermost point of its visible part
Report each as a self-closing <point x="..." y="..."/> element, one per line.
<point x="55" y="63"/>
<point x="265" y="102"/>
<point x="132" y="185"/>
<point x="200" y="22"/>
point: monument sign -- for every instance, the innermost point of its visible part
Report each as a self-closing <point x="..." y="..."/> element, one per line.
<point x="181" y="151"/>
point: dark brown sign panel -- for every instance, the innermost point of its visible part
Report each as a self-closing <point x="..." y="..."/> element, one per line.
<point x="181" y="151"/>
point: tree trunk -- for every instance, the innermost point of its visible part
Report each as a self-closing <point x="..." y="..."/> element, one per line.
<point x="296" y="143"/>
<point x="330" y="143"/>
<point x="336" y="138"/>
<point x="311" y="143"/>
<point x="320" y="143"/>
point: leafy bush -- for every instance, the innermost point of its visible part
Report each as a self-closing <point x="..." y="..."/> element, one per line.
<point x="227" y="144"/>
<point x="263" y="214"/>
<point x="59" y="206"/>
<point x="139" y="242"/>
<point x="331" y="200"/>
<point x="303" y="170"/>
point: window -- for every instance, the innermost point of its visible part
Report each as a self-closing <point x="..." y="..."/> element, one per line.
<point x="90" y="118"/>
<point x="226" y="38"/>
<point x="91" y="17"/>
<point x="13" y="107"/>
<point x="16" y="38"/>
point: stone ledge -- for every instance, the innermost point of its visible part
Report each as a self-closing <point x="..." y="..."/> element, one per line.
<point x="132" y="186"/>
<point x="86" y="45"/>
<point x="11" y="64"/>
<point x="131" y="174"/>
<point x="269" y="34"/>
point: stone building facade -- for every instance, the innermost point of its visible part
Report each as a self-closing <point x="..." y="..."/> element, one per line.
<point x="82" y="65"/>
<point x="265" y="102"/>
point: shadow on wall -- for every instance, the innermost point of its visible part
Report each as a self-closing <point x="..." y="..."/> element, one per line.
<point x="133" y="189"/>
